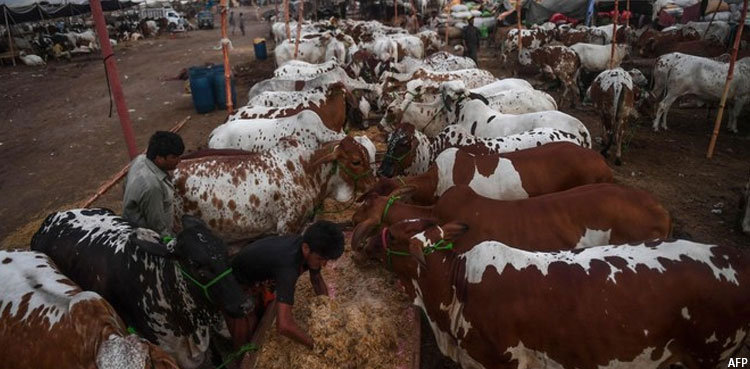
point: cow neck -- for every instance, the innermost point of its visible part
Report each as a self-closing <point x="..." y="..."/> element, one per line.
<point x="422" y="155"/>
<point x="398" y="211"/>
<point x="425" y="186"/>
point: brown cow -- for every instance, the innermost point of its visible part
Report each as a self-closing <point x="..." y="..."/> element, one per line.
<point x="590" y="215"/>
<point x="47" y="322"/>
<point x="651" y="41"/>
<point x="333" y="103"/>
<point x="493" y="306"/>
<point x="612" y="93"/>
<point x="558" y="62"/>
<point x="515" y="175"/>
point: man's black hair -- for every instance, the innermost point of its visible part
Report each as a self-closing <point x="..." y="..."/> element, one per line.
<point x="164" y="143"/>
<point x="325" y="239"/>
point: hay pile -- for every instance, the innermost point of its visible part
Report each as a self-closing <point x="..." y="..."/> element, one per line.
<point x="367" y="323"/>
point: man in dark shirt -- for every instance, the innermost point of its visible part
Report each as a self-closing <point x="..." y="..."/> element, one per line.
<point x="471" y="40"/>
<point x="284" y="259"/>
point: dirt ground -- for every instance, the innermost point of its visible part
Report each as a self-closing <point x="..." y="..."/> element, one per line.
<point x="58" y="144"/>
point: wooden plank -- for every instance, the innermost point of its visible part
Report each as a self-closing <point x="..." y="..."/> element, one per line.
<point x="248" y="362"/>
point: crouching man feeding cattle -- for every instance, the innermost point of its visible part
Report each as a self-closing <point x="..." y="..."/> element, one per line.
<point x="149" y="194"/>
<point x="283" y="259"/>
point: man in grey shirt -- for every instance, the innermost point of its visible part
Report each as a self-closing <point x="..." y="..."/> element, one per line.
<point x="149" y="194"/>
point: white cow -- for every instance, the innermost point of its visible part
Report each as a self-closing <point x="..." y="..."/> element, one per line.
<point x="595" y="58"/>
<point x="313" y="48"/>
<point x="262" y="134"/>
<point x="705" y="78"/>
<point x="482" y="121"/>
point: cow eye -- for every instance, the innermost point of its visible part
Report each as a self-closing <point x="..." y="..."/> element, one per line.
<point x="356" y="162"/>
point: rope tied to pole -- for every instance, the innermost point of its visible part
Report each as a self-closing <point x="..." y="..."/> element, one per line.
<point x="109" y="86"/>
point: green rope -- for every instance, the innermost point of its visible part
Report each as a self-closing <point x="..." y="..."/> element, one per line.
<point x="438" y="247"/>
<point x="390" y="252"/>
<point x="237" y="354"/>
<point x="206" y="286"/>
<point x="388" y="205"/>
<point x="132" y="330"/>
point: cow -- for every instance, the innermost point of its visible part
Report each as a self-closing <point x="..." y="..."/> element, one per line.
<point x="49" y="322"/>
<point x="313" y="48"/>
<point x="510" y="96"/>
<point x="584" y="216"/>
<point x="302" y="69"/>
<point x="538" y="322"/>
<point x="334" y="104"/>
<point x="247" y="195"/>
<point x="705" y="48"/>
<point x="530" y="39"/>
<point x="570" y="36"/>
<point x="510" y="176"/>
<point x="596" y="58"/>
<point x="438" y="62"/>
<point x="431" y="41"/>
<point x="413" y="152"/>
<point x="704" y="78"/>
<point x="653" y="41"/>
<point x="303" y="81"/>
<point x="262" y="134"/>
<point x="169" y="293"/>
<point x="559" y="62"/>
<point x="482" y="121"/>
<point x="613" y="96"/>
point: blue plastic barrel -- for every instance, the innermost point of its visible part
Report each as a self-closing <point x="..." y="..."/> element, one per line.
<point x="220" y="87"/>
<point x="260" y="48"/>
<point x="201" y="87"/>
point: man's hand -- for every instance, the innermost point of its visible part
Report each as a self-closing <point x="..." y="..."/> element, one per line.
<point x="286" y="325"/>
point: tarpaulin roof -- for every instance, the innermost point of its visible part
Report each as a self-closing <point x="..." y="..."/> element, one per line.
<point x="37" y="12"/>
<point x="538" y="11"/>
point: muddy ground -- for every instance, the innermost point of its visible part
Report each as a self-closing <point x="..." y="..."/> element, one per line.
<point x="58" y="144"/>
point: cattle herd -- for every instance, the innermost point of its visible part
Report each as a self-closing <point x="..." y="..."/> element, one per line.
<point x="489" y="204"/>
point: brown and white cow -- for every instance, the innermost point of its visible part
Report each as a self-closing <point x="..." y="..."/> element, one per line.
<point x="613" y="95"/>
<point x="242" y="196"/>
<point x="559" y="62"/>
<point x="651" y="41"/>
<point x="412" y="152"/>
<point x="584" y="216"/>
<point x="494" y="306"/>
<point x="530" y="39"/>
<point x="515" y="175"/>
<point x="334" y="104"/>
<point x="47" y="321"/>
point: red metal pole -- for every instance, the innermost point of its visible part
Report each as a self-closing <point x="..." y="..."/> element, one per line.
<point x="225" y="52"/>
<point x="518" y="16"/>
<point x="114" y="78"/>
<point x="614" y="34"/>
<point x="730" y="74"/>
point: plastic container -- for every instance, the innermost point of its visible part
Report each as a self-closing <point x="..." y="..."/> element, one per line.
<point x="201" y="87"/>
<point x="220" y="87"/>
<point x="260" y="48"/>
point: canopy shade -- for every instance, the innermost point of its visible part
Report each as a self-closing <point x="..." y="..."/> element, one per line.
<point x="36" y="12"/>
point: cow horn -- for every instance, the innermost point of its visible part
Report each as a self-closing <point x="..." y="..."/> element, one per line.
<point x="330" y="155"/>
<point x="361" y="232"/>
<point x="479" y="97"/>
<point x="403" y="191"/>
<point x="416" y="251"/>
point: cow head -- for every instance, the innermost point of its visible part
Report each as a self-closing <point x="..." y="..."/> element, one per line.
<point x="402" y="147"/>
<point x="371" y="214"/>
<point x="203" y="261"/>
<point x="352" y="169"/>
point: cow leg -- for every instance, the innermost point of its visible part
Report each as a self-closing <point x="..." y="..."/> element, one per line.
<point x="619" y="136"/>
<point x="663" y="111"/>
<point x="736" y="110"/>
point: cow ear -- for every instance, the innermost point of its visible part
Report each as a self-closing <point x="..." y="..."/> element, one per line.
<point x="452" y="231"/>
<point x="479" y="97"/>
<point x="325" y="154"/>
<point x="189" y="221"/>
<point x="148" y="241"/>
<point x="417" y="252"/>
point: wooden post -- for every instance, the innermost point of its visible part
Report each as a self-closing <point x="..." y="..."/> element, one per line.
<point x="712" y="19"/>
<point x="395" y="13"/>
<point x="10" y="37"/>
<point x="730" y="72"/>
<point x="518" y="16"/>
<point x="627" y="20"/>
<point x="286" y="19"/>
<point x="614" y="34"/>
<point x="299" y="26"/>
<point x="114" y="77"/>
<point x="225" y="52"/>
